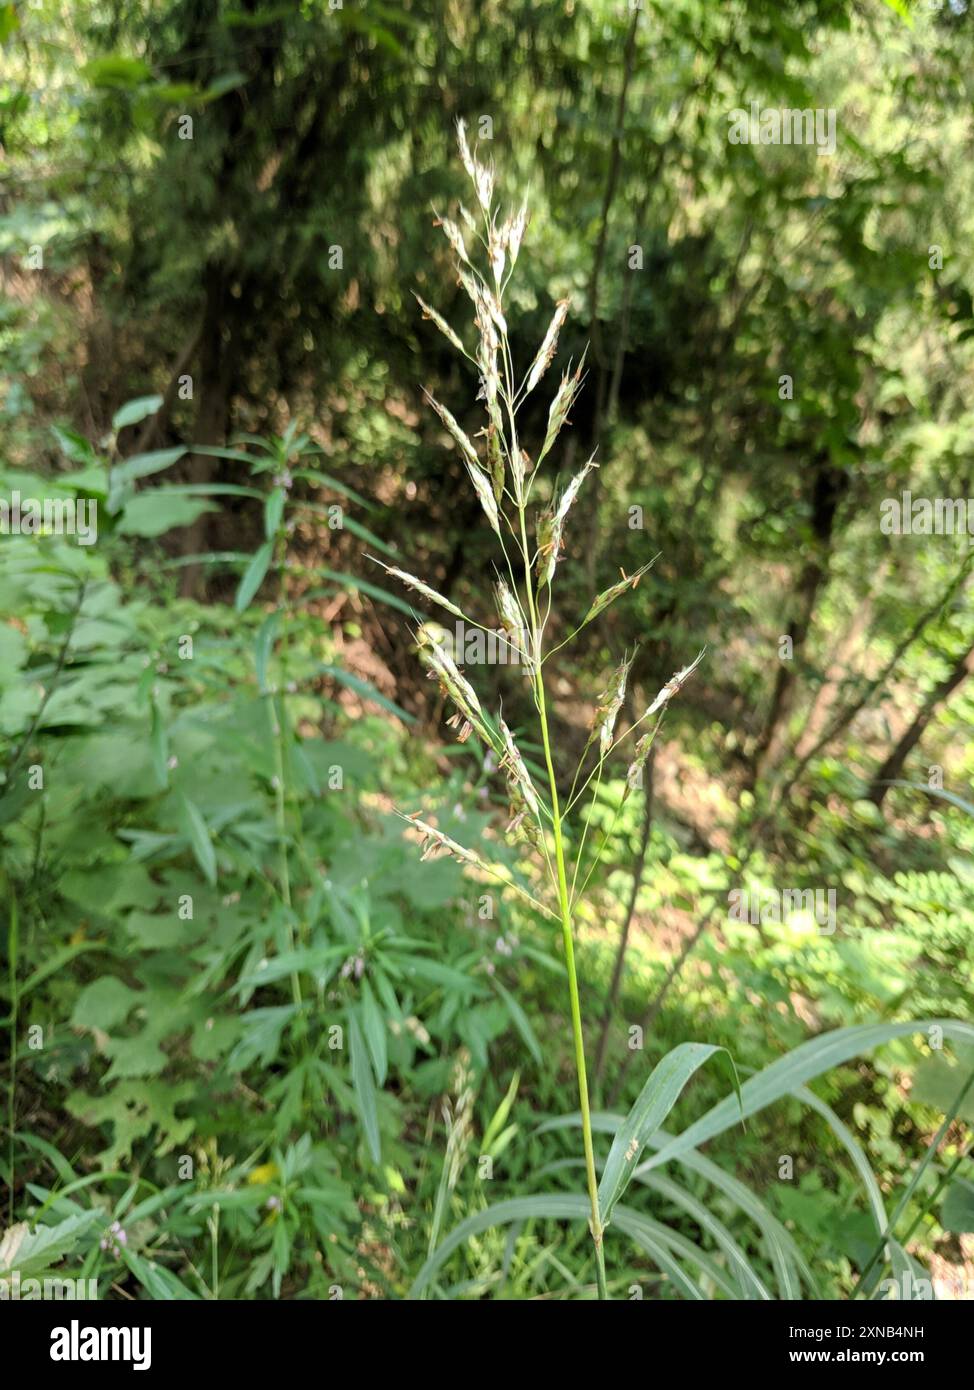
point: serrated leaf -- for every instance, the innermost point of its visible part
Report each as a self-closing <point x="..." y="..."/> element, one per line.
<point x="31" y="1252"/>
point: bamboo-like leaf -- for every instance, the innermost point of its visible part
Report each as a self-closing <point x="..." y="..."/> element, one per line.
<point x="198" y="835"/>
<point x="363" y="1084"/>
<point x="654" y="1103"/>
<point x="802" y="1064"/>
<point x="854" y="1149"/>
<point x="660" y="1244"/>
<point x="253" y="575"/>
<point x="374" y="1028"/>
<point x="751" y="1283"/>
<point x="785" y="1255"/>
<point x="521" y="1022"/>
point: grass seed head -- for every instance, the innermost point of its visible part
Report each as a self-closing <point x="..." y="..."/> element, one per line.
<point x="548" y="348"/>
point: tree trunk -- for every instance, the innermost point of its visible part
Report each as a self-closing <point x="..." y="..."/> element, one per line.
<point x="845" y="716"/>
<point x="828" y="485"/>
<point x="892" y="768"/>
<point x="214" y="390"/>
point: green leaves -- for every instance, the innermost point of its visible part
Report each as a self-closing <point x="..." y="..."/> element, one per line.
<point x="195" y="829"/>
<point x="118" y="72"/>
<point x="33" y="1252"/>
<point x="364" y="1087"/>
<point x="133" y="412"/>
<point x="104" y="1004"/>
<point x="800" y="1065"/>
<point x="655" y="1101"/>
<point x="253" y="575"/>
<point x="957" y="1213"/>
<point x="374" y="1028"/>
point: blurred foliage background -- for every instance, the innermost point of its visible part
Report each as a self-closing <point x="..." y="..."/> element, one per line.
<point x="213" y="220"/>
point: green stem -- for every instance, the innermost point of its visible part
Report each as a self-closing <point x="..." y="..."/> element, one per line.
<point x="595" y="1222"/>
<point x="12" y="943"/>
<point x="566" y="930"/>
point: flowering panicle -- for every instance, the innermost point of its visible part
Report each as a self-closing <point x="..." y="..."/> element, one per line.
<point x="641" y="753"/>
<point x="454" y="236"/>
<point x="503" y="481"/>
<point x="466" y="448"/>
<point x="548" y="346"/>
<point x="412" y="582"/>
<point x="607" y="596"/>
<point x="674" y="685"/>
<point x="481" y="176"/>
<point x="517" y="774"/>
<point x="604" y="723"/>
<point x="659" y="704"/>
<point x="434" y="840"/>
<point x="571" y="384"/>
<point x="436" y="658"/>
<point x="440" y="322"/>
<point x="508" y="609"/>
<point x="478" y="477"/>
<point x="551" y="524"/>
<point x="514" y="231"/>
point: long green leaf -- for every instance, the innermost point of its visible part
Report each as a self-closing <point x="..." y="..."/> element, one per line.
<point x="521" y="1022"/>
<point x="253" y="575"/>
<point x="364" y="1087"/>
<point x="654" y="1103"/>
<point x="655" y="1240"/>
<point x="802" y="1064"/>
<point x="366" y="690"/>
<point x="198" y="835"/>
<point x="783" y="1252"/>
<point x="751" y="1284"/>
<point x="374" y="1028"/>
